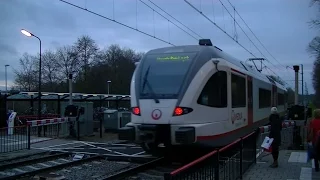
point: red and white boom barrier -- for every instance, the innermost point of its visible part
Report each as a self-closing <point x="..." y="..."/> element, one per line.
<point x="287" y="124"/>
<point x="44" y="122"/>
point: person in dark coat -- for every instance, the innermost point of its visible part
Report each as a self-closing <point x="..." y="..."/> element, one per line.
<point x="275" y="133"/>
<point x="314" y="138"/>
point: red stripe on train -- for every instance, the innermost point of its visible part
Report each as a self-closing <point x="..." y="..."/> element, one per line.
<point x="223" y="134"/>
<point x="238" y="71"/>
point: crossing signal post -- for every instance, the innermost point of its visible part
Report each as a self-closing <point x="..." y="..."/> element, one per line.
<point x="296" y="89"/>
<point x="70" y="88"/>
<point x="75" y="112"/>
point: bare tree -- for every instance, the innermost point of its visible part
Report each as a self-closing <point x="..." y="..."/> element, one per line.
<point x="83" y="58"/>
<point x="314" y="46"/>
<point x="26" y="76"/>
<point x="86" y="49"/>
<point x="314" y="49"/>
<point x="67" y="62"/>
<point x="316" y="79"/>
<point x="315" y="23"/>
<point x="50" y="69"/>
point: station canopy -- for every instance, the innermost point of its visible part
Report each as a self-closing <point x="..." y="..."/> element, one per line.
<point x="51" y="96"/>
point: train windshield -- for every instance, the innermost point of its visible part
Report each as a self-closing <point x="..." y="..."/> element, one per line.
<point x="162" y="74"/>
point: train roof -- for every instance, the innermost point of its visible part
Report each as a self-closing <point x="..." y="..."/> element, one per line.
<point x="250" y="70"/>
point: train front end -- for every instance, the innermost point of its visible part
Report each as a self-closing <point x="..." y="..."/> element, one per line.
<point x="156" y="84"/>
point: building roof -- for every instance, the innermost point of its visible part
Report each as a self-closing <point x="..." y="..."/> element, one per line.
<point x="65" y="96"/>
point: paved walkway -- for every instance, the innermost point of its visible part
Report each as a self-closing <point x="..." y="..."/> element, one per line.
<point x="293" y="165"/>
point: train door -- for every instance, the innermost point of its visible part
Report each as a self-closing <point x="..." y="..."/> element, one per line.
<point x="250" y="100"/>
<point x="239" y="110"/>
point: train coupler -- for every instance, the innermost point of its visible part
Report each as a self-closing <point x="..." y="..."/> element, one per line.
<point x="127" y="133"/>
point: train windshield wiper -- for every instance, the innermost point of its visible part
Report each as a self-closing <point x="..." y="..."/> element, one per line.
<point x="146" y="82"/>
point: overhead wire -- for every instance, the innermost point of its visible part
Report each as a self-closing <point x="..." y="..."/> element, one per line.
<point x="225" y="31"/>
<point x="167" y="42"/>
<point x="222" y="29"/>
<point x="236" y="22"/>
<point x="254" y="34"/>
<point x="97" y="14"/>
<point x="240" y="27"/>
<point x="168" y="19"/>
<point x="174" y="18"/>
<point x="136" y="29"/>
<point x="251" y="32"/>
<point x="219" y="27"/>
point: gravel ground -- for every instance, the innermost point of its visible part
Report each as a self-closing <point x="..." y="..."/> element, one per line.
<point x="26" y="168"/>
<point x="32" y="156"/>
<point x="151" y="174"/>
<point x="156" y="173"/>
<point x="93" y="170"/>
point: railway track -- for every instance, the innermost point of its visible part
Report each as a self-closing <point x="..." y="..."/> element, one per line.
<point x="154" y="169"/>
<point x="29" y="167"/>
<point x="97" y="167"/>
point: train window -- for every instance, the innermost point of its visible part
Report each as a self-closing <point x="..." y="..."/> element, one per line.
<point x="238" y="85"/>
<point x="280" y="99"/>
<point x="163" y="74"/>
<point x="215" y="92"/>
<point x="264" y="98"/>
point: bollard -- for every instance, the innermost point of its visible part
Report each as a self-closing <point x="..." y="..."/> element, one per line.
<point x="78" y="128"/>
<point x="101" y="117"/>
<point x="29" y="135"/>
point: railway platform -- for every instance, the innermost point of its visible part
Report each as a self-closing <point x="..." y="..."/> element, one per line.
<point x="293" y="165"/>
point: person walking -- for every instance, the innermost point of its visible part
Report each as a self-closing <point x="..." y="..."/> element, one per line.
<point x="313" y="137"/>
<point x="275" y="133"/>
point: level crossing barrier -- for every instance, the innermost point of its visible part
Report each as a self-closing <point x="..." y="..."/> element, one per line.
<point x="287" y="133"/>
<point x="230" y="162"/>
<point x="21" y="137"/>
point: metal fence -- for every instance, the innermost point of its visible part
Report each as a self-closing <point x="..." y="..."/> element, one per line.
<point x="13" y="139"/>
<point x="229" y="162"/>
<point x="21" y="137"/>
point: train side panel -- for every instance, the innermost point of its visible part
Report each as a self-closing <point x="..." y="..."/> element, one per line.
<point x="261" y="111"/>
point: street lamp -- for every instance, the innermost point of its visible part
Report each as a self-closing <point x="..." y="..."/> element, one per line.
<point x="5" y="66"/>
<point x="29" y="34"/>
<point x="108" y="92"/>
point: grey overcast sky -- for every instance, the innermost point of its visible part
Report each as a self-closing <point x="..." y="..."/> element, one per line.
<point x="281" y="25"/>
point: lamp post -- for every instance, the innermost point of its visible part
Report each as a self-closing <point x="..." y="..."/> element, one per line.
<point x="108" y="91"/>
<point x="29" y="34"/>
<point x="5" y="66"/>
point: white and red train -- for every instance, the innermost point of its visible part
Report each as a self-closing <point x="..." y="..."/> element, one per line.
<point x="197" y="95"/>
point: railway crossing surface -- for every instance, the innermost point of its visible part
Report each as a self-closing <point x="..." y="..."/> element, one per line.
<point x="293" y="165"/>
<point x="107" y="149"/>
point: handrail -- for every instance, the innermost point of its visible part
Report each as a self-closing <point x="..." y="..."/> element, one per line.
<point x="187" y="166"/>
<point x="229" y="145"/>
<point x="193" y="162"/>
